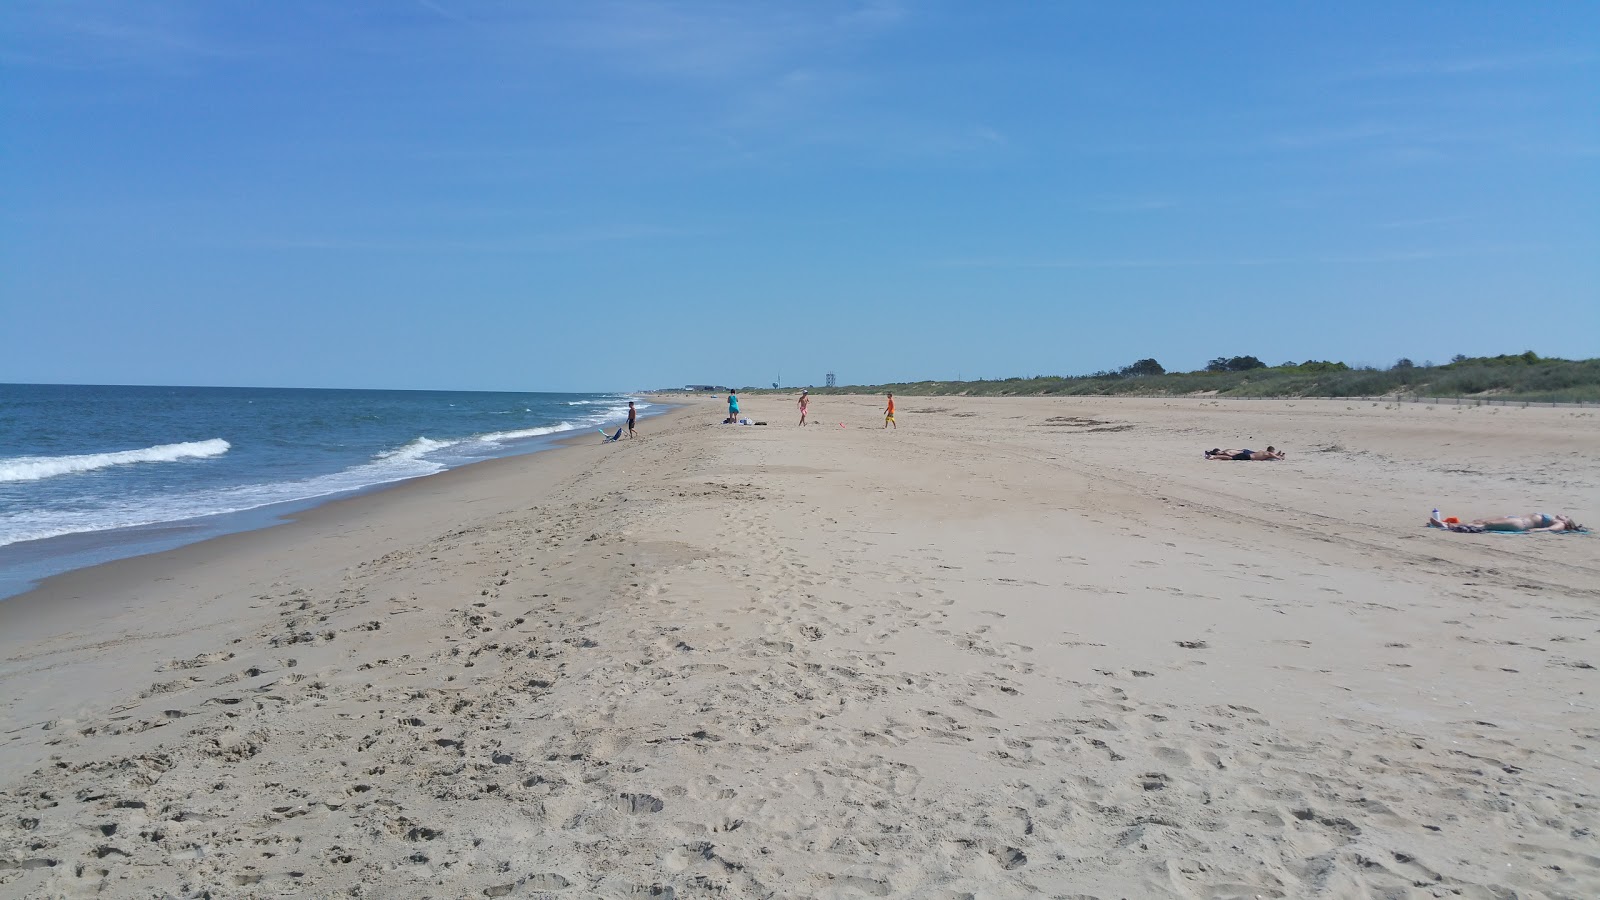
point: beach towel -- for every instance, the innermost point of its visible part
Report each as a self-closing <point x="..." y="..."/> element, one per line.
<point x="1467" y="528"/>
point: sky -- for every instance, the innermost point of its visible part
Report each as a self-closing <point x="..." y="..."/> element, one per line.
<point x="497" y="195"/>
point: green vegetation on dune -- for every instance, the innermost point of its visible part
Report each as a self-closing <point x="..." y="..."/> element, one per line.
<point x="1524" y="376"/>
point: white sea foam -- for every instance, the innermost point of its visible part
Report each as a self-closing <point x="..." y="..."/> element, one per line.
<point x="615" y="410"/>
<point x="416" y="449"/>
<point x="409" y="461"/>
<point x="607" y="401"/>
<point x="38" y="468"/>
<point x="496" y="437"/>
<point x="420" y="456"/>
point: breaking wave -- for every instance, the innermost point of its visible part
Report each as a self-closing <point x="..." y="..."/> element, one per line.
<point x="38" y="468"/>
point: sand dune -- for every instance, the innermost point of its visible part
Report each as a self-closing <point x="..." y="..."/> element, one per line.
<point x="1016" y="648"/>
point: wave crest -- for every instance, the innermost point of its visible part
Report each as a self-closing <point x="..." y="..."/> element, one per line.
<point x="38" y="468"/>
<point x="416" y="449"/>
<point x="496" y="437"/>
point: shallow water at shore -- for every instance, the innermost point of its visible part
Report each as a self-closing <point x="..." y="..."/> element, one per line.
<point x="91" y="473"/>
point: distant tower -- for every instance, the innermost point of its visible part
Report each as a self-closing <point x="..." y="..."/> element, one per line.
<point x="831" y="380"/>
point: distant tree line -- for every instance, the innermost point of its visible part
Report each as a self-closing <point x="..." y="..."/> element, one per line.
<point x="1148" y="367"/>
<point x="1235" y="364"/>
<point x="1520" y="376"/>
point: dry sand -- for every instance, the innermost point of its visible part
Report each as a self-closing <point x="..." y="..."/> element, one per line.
<point x="1017" y="648"/>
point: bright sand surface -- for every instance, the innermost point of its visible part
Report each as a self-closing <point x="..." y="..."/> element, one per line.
<point x="1017" y="648"/>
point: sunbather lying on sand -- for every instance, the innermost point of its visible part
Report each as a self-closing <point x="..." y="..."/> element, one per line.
<point x="1269" y="453"/>
<point x="1528" y="522"/>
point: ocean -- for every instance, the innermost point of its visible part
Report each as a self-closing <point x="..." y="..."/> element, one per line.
<point x="94" y="473"/>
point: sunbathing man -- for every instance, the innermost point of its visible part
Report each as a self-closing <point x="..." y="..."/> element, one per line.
<point x="1269" y="453"/>
<point x="1524" y="523"/>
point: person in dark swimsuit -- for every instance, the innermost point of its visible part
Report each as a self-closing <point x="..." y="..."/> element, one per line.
<point x="633" y="416"/>
<point x="1244" y="455"/>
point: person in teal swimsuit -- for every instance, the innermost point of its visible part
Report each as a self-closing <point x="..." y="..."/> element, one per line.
<point x="733" y="408"/>
<point x="1524" y="523"/>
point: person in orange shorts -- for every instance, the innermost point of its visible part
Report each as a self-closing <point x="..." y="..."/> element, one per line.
<point x="888" y="413"/>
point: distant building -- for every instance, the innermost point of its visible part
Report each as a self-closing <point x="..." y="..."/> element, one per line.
<point x="713" y="388"/>
<point x="831" y="380"/>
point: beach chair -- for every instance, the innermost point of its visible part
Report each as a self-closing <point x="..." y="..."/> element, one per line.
<point x="608" y="438"/>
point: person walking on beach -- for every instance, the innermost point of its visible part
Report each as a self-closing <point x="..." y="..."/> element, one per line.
<point x="805" y="403"/>
<point x="888" y="413"/>
<point x="733" y="408"/>
<point x="633" y="416"/>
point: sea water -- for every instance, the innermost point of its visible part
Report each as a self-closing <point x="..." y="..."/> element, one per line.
<point x="94" y="473"/>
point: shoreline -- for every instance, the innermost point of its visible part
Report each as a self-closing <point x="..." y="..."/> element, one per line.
<point x="1017" y="646"/>
<point x="111" y="541"/>
<point x="287" y="531"/>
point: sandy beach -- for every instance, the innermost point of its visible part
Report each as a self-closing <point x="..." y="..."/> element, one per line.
<point x="1014" y="648"/>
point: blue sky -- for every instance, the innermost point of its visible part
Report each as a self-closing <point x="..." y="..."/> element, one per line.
<point x="614" y="195"/>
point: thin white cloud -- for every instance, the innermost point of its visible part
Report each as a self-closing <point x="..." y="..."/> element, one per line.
<point x="1410" y="156"/>
<point x="1332" y="136"/>
<point x="989" y="135"/>
<point x="1132" y="205"/>
<point x="1420" y="223"/>
<point x="711" y="40"/>
<point x="161" y="37"/>
<point x="1470" y="65"/>
<point x="890" y="141"/>
<point x="442" y="11"/>
<point x="1398" y="256"/>
<point x="1558" y="148"/>
<point x="550" y="242"/>
<point x="873" y="15"/>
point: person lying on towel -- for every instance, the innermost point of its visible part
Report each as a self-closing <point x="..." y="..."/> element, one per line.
<point x="1269" y="453"/>
<point x="1529" y="522"/>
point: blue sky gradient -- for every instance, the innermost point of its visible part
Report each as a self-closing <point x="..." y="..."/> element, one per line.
<point x="618" y="195"/>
